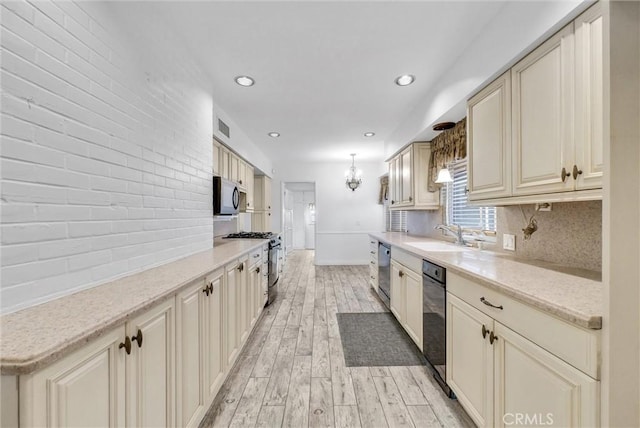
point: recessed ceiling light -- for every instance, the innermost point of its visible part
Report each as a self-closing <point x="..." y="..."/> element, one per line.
<point x="369" y="134"/>
<point x="274" y="134"/>
<point x="244" y="81"/>
<point x="405" y="79"/>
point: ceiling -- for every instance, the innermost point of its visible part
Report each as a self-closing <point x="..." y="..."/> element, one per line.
<point x="324" y="71"/>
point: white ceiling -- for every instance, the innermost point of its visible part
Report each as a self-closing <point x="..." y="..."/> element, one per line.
<point x="324" y="70"/>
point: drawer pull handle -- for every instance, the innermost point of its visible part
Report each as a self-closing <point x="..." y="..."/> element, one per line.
<point x="138" y="338"/>
<point x="564" y="174"/>
<point x="488" y="303"/>
<point x="373" y="252"/>
<point x="126" y="345"/>
<point x="484" y="331"/>
<point x="492" y="338"/>
<point x="255" y="256"/>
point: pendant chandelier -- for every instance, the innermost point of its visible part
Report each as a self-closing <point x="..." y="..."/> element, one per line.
<point x="354" y="176"/>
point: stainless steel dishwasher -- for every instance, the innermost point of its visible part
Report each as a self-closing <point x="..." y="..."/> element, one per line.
<point x="384" y="273"/>
<point x="434" y="316"/>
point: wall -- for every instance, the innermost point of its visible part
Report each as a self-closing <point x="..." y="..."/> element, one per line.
<point x="106" y="151"/>
<point x="343" y="218"/>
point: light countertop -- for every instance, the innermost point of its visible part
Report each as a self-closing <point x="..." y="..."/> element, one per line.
<point x="37" y="336"/>
<point x="574" y="295"/>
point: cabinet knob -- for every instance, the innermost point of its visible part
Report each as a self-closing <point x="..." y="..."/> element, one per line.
<point x="400" y="274"/>
<point x="576" y="172"/>
<point x="206" y="291"/>
<point x="492" y="338"/>
<point x="240" y="182"/>
<point x="138" y="338"/>
<point x="564" y="174"/>
<point x="373" y="252"/>
<point x="241" y="267"/>
<point x="484" y="331"/>
<point x="258" y="269"/>
<point x="269" y="207"/>
<point x="126" y="345"/>
<point x="393" y="202"/>
<point x="410" y="199"/>
<point x="255" y="256"/>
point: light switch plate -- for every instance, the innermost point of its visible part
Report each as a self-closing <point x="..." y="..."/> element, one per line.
<point x="509" y="242"/>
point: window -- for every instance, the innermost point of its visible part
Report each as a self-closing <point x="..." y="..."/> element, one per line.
<point x="396" y="220"/>
<point x="456" y="209"/>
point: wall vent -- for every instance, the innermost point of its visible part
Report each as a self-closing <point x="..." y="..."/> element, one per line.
<point x="224" y="128"/>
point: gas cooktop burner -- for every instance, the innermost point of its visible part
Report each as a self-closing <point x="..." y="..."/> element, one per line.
<point x="252" y="235"/>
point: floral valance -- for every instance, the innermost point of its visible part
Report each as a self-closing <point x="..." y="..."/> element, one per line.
<point x="448" y="146"/>
<point x="384" y="189"/>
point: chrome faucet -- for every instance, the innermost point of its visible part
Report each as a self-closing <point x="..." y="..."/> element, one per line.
<point x="456" y="233"/>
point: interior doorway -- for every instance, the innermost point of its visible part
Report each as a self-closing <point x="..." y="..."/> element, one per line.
<point x="299" y="216"/>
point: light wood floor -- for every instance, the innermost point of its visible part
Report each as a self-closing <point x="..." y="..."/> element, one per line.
<point x="292" y="371"/>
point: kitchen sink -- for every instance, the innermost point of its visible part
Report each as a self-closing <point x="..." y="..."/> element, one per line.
<point x="438" y="246"/>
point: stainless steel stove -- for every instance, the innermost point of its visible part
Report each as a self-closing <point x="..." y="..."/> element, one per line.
<point x="274" y="258"/>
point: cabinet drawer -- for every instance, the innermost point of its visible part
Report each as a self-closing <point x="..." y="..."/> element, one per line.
<point x="373" y="272"/>
<point x="255" y="255"/>
<point x="575" y="345"/>
<point x="408" y="260"/>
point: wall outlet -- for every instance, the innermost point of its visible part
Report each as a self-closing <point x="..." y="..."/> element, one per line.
<point x="509" y="242"/>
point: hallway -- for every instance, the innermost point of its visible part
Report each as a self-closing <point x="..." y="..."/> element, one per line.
<point x="292" y="371"/>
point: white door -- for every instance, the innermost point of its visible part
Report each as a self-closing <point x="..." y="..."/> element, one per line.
<point x="213" y="343"/>
<point x="190" y="398"/>
<point x="543" y="117"/>
<point x="231" y="291"/>
<point x="86" y="388"/>
<point x="489" y="140"/>
<point x="397" y="304"/>
<point x="589" y="98"/>
<point x="470" y="359"/>
<point x="413" y="312"/>
<point x="532" y="383"/>
<point x="150" y="369"/>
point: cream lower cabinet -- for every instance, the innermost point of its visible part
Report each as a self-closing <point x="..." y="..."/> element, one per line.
<point x="213" y="334"/>
<point x="502" y="378"/>
<point x="373" y="264"/>
<point x="406" y="300"/>
<point x="86" y="388"/>
<point x="150" y="368"/>
<point x="231" y="296"/>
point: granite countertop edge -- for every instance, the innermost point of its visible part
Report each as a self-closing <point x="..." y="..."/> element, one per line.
<point x="20" y="362"/>
<point x="590" y="319"/>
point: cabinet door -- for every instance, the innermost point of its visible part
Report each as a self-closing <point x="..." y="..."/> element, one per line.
<point x="86" y="388"/>
<point x="489" y="140"/>
<point x="242" y="173"/>
<point x="217" y="155"/>
<point x="406" y="187"/>
<point x="225" y="163"/>
<point x="470" y="359"/>
<point x="395" y="182"/>
<point x="230" y="329"/>
<point x="423" y="198"/>
<point x="213" y="344"/>
<point x="589" y="118"/>
<point x="413" y="299"/>
<point x="532" y="383"/>
<point x="543" y="117"/>
<point x="234" y="167"/>
<point x="190" y="400"/>
<point x="397" y="304"/>
<point x="255" y="282"/>
<point x="243" y="304"/>
<point x="250" y="194"/>
<point x="150" y="369"/>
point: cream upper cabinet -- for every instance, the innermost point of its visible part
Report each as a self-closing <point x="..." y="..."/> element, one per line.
<point x="250" y="186"/>
<point x="589" y="114"/>
<point x="190" y="398"/>
<point x="489" y="140"/>
<point x="543" y="88"/>
<point x="408" y="179"/>
<point x="86" y="388"/>
<point x="217" y="156"/>
<point x="234" y="168"/>
<point x="262" y="193"/>
<point x="150" y="368"/>
<point x="225" y="163"/>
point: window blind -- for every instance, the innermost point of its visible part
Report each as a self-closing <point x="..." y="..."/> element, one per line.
<point x="456" y="210"/>
<point x="396" y="221"/>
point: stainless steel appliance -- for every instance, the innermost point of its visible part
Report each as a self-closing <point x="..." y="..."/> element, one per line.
<point x="434" y="316"/>
<point x="384" y="273"/>
<point x="274" y="260"/>
<point x="226" y="197"/>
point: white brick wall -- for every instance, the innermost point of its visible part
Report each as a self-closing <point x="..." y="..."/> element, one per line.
<point x="105" y="157"/>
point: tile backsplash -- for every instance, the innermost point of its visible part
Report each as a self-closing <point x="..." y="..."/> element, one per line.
<point x="570" y="234"/>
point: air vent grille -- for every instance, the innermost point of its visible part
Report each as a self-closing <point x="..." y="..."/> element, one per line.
<point x="224" y="128"/>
